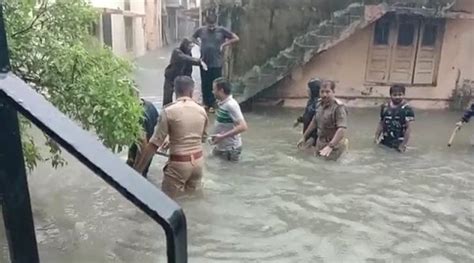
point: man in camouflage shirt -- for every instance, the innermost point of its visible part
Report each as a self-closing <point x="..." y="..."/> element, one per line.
<point x="396" y="116"/>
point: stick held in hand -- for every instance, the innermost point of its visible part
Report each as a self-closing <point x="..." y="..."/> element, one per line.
<point x="451" y="139"/>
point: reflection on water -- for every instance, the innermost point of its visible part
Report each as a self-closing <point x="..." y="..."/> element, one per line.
<point x="280" y="205"/>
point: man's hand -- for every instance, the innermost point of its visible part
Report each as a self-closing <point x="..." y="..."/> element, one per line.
<point x="326" y="151"/>
<point x="165" y="145"/>
<point x="218" y="138"/>
<point x="204" y="65"/>
<point x="402" y="148"/>
<point x="300" y="143"/>
<point x="459" y="124"/>
<point x="222" y="47"/>
<point x="377" y="139"/>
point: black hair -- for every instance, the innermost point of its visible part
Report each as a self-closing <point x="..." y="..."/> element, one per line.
<point x="222" y="83"/>
<point x="184" y="45"/>
<point x="211" y="19"/>
<point x="314" y="85"/>
<point x="182" y="84"/>
<point x="397" y="88"/>
<point x="329" y="83"/>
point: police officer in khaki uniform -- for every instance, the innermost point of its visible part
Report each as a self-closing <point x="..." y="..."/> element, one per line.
<point x="181" y="127"/>
<point x="331" y="122"/>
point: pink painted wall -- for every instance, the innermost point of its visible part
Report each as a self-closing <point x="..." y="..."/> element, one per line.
<point x="346" y="64"/>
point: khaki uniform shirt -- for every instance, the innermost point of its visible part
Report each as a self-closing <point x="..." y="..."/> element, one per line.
<point x="185" y="121"/>
<point x="329" y="118"/>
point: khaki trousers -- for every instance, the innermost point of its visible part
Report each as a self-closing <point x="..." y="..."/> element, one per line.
<point x="182" y="177"/>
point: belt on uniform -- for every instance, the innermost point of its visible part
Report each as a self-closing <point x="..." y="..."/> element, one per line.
<point x="185" y="157"/>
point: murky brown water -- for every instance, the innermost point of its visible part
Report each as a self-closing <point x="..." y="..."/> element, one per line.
<point x="279" y="205"/>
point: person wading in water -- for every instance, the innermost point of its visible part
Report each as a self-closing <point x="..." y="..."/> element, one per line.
<point x="330" y="121"/>
<point x="182" y="126"/>
<point x="149" y="121"/>
<point x="214" y="40"/>
<point x="396" y="116"/>
<point x="181" y="64"/>
<point x="467" y="116"/>
<point x="229" y="124"/>
<point x="465" y="119"/>
<point x="314" y="85"/>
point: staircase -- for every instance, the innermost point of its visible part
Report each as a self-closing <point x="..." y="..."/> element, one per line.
<point x="323" y="36"/>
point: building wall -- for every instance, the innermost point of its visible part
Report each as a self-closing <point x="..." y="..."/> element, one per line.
<point x="346" y="64"/>
<point x="153" y="24"/>
<point x="118" y="27"/>
<point x="266" y="27"/>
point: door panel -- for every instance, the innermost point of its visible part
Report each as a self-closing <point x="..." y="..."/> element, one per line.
<point x="378" y="61"/>
<point x="107" y="29"/>
<point x="429" y="47"/>
<point x="404" y="51"/>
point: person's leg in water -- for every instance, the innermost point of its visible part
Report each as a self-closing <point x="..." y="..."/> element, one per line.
<point x="206" y="84"/>
<point x="232" y="155"/>
<point x="390" y="143"/>
<point x="132" y="157"/>
<point x="208" y="78"/>
<point x="167" y="92"/>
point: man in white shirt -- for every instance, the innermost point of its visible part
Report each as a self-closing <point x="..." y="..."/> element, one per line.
<point x="229" y="124"/>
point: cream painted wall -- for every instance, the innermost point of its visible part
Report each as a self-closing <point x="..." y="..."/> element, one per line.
<point x="346" y="64"/>
<point x="118" y="26"/>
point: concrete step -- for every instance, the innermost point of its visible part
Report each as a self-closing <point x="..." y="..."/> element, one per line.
<point x="302" y="49"/>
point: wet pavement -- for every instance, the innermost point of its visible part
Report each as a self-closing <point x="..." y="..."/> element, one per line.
<point x="279" y="204"/>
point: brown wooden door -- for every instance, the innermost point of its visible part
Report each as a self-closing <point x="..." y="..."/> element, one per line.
<point x="404" y="50"/>
<point x="378" y="61"/>
<point x="429" y="47"/>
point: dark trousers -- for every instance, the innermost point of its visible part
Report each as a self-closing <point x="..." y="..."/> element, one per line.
<point x="207" y="77"/>
<point x="132" y="154"/>
<point x="168" y="90"/>
<point x="391" y="142"/>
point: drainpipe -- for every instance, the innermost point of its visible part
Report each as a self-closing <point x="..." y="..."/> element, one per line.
<point x="200" y="13"/>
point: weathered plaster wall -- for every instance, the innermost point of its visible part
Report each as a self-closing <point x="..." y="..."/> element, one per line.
<point x="266" y="27"/>
<point x="153" y="24"/>
<point x="118" y="27"/>
<point x="346" y="64"/>
<point x="269" y="26"/>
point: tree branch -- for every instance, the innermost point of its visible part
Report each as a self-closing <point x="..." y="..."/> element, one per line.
<point x="73" y="73"/>
<point x="41" y="12"/>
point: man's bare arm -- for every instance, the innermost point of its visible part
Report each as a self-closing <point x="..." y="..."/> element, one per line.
<point x="407" y="135"/>
<point x="311" y="127"/>
<point x="230" y="41"/>
<point x="240" y="127"/>
<point x="378" y="132"/>
<point x="338" y="136"/>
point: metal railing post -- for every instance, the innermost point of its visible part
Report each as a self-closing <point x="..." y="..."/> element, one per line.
<point x="16" y="206"/>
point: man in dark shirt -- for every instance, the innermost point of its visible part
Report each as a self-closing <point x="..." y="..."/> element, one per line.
<point x="213" y="40"/>
<point x="314" y="85"/>
<point x="467" y="116"/>
<point x="149" y="121"/>
<point x="181" y="64"/>
<point x="396" y="116"/>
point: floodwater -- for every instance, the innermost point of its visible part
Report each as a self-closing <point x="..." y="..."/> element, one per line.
<point x="280" y="205"/>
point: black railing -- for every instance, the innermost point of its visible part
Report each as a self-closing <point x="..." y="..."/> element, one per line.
<point x="16" y="96"/>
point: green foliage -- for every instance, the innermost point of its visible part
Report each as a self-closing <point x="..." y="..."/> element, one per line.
<point x="52" y="50"/>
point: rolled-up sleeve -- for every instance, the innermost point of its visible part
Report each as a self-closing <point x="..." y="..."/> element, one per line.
<point x="161" y="130"/>
<point x="341" y="117"/>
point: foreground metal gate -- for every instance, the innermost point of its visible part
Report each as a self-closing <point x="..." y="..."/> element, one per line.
<point x="16" y="96"/>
